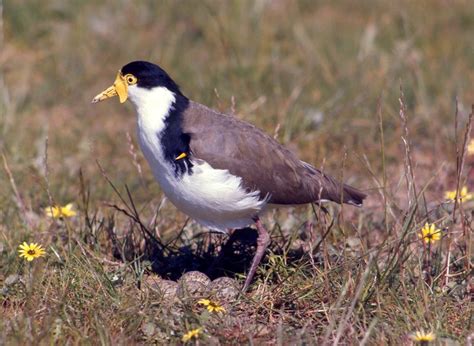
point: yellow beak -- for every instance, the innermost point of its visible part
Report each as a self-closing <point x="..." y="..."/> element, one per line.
<point x="119" y="88"/>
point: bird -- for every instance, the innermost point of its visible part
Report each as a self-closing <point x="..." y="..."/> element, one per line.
<point x="221" y="171"/>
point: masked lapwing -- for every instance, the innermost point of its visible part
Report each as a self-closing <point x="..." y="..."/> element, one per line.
<point x="221" y="171"/>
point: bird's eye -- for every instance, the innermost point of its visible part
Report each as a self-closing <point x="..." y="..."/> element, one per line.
<point x="131" y="79"/>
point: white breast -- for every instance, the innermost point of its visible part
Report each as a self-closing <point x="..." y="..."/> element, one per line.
<point x="213" y="197"/>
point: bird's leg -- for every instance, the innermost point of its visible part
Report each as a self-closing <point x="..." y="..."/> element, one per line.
<point x="263" y="241"/>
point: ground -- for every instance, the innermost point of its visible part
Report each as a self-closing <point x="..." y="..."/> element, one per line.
<point x="377" y="93"/>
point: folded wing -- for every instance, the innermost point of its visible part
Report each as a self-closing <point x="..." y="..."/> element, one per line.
<point x="226" y="142"/>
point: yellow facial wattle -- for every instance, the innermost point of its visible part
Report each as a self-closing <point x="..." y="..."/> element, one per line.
<point x="120" y="88"/>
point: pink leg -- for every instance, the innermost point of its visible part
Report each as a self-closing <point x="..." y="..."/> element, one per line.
<point x="263" y="241"/>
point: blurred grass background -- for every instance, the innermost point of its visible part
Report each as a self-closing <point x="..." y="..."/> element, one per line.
<point x="318" y="70"/>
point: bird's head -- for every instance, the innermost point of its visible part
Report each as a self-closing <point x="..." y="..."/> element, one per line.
<point x="135" y="77"/>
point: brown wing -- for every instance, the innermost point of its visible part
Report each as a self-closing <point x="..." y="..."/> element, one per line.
<point x="226" y="142"/>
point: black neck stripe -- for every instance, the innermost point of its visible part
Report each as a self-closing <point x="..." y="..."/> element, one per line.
<point x="173" y="140"/>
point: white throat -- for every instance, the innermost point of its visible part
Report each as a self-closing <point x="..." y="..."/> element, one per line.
<point x="152" y="105"/>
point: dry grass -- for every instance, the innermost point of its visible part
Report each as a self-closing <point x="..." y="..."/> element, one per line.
<point x="367" y="91"/>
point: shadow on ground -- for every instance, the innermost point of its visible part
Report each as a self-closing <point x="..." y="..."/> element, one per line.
<point x="229" y="257"/>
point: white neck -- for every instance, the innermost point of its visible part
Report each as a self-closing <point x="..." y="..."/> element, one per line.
<point x="152" y="105"/>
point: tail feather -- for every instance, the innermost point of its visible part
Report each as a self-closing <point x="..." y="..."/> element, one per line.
<point x="332" y="191"/>
<point x="326" y="188"/>
<point x="353" y="196"/>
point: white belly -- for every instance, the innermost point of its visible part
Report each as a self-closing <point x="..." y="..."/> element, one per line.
<point x="213" y="197"/>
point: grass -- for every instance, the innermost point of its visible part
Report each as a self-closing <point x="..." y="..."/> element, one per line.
<point x="376" y="93"/>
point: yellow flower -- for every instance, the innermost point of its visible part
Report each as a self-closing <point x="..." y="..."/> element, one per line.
<point x="430" y="233"/>
<point x="422" y="337"/>
<point x="470" y="147"/>
<point x="192" y="334"/>
<point x="30" y="252"/>
<point x="463" y="194"/>
<point x="211" y="306"/>
<point x="58" y="212"/>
